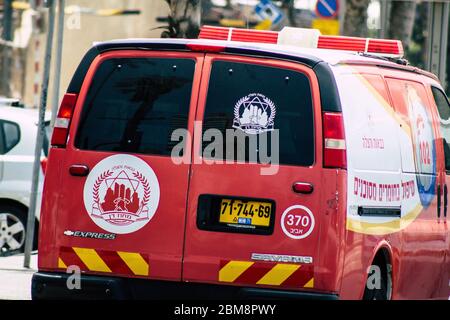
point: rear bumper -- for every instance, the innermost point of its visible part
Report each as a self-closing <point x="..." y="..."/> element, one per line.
<point x="54" y="286"/>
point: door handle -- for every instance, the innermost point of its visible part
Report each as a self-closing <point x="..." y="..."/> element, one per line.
<point x="445" y="200"/>
<point x="302" y="187"/>
<point x="79" y="170"/>
<point x="439" y="201"/>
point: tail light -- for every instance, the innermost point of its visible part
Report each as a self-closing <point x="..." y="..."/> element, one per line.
<point x="44" y="164"/>
<point x="62" y="123"/>
<point x="205" y="48"/>
<point x="334" y="153"/>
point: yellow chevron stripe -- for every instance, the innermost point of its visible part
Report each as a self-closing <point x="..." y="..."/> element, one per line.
<point x="310" y="283"/>
<point x="92" y="260"/>
<point x="61" y="264"/>
<point x="233" y="269"/>
<point x="135" y="262"/>
<point x="278" y="274"/>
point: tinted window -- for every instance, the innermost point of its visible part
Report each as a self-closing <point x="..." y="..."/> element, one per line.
<point x="256" y="100"/>
<point x="444" y="114"/>
<point x="133" y="105"/>
<point x="10" y="136"/>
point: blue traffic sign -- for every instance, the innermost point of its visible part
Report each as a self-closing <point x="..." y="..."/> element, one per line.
<point x="327" y="8"/>
<point x="266" y="10"/>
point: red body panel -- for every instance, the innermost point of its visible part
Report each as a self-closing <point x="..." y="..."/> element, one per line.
<point x="176" y="249"/>
<point x="204" y="250"/>
<point x="162" y="240"/>
<point x="418" y="252"/>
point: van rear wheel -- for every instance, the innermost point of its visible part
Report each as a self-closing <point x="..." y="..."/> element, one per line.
<point x="379" y="281"/>
<point x="13" y="221"/>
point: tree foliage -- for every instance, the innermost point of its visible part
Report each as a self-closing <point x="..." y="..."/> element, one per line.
<point x="355" y="22"/>
<point x="401" y="21"/>
<point x="183" y="19"/>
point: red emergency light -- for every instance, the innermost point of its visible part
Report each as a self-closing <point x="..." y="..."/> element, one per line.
<point x="385" y="47"/>
<point x="235" y="34"/>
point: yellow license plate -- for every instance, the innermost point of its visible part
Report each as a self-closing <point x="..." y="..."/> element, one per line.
<point x="251" y="213"/>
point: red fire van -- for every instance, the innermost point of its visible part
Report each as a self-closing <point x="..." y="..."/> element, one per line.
<point x="248" y="164"/>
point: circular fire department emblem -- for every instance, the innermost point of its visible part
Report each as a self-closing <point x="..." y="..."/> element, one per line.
<point x="121" y="194"/>
<point x="254" y="114"/>
<point x="424" y="147"/>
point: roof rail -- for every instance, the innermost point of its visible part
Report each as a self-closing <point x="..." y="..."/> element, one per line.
<point x="401" y="61"/>
<point x="306" y="38"/>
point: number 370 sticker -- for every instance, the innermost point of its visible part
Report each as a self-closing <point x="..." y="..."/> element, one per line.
<point x="297" y="222"/>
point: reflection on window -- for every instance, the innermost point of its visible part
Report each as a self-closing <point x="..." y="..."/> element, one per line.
<point x="254" y="100"/>
<point x="11" y="135"/>
<point x="444" y="114"/>
<point x="134" y="104"/>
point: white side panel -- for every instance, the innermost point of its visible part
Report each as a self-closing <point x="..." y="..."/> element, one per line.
<point x="374" y="158"/>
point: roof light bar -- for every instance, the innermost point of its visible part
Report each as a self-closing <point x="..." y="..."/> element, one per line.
<point x="306" y="38"/>
<point x="235" y="34"/>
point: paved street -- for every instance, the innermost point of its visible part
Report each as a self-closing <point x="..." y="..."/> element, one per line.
<point x="15" y="280"/>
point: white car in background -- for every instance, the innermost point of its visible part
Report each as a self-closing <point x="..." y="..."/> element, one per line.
<point x="18" y="129"/>
<point x="9" y="102"/>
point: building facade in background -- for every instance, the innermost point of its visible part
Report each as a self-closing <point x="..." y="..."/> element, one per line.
<point x="85" y="23"/>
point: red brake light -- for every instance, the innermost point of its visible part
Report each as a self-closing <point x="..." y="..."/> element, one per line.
<point x="205" y="47"/>
<point x="44" y="164"/>
<point x="61" y="129"/>
<point x="334" y="155"/>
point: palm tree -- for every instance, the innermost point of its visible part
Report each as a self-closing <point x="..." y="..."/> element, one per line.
<point x="184" y="19"/>
<point x="355" y="22"/>
<point x="401" y="21"/>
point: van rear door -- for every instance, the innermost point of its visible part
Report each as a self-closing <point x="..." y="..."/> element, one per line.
<point x="123" y="211"/>
<point x="245" y="223"/>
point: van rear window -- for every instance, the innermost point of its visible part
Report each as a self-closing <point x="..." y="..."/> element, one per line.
<point x="256" y="100"/>
<point x="134" y="104"/>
